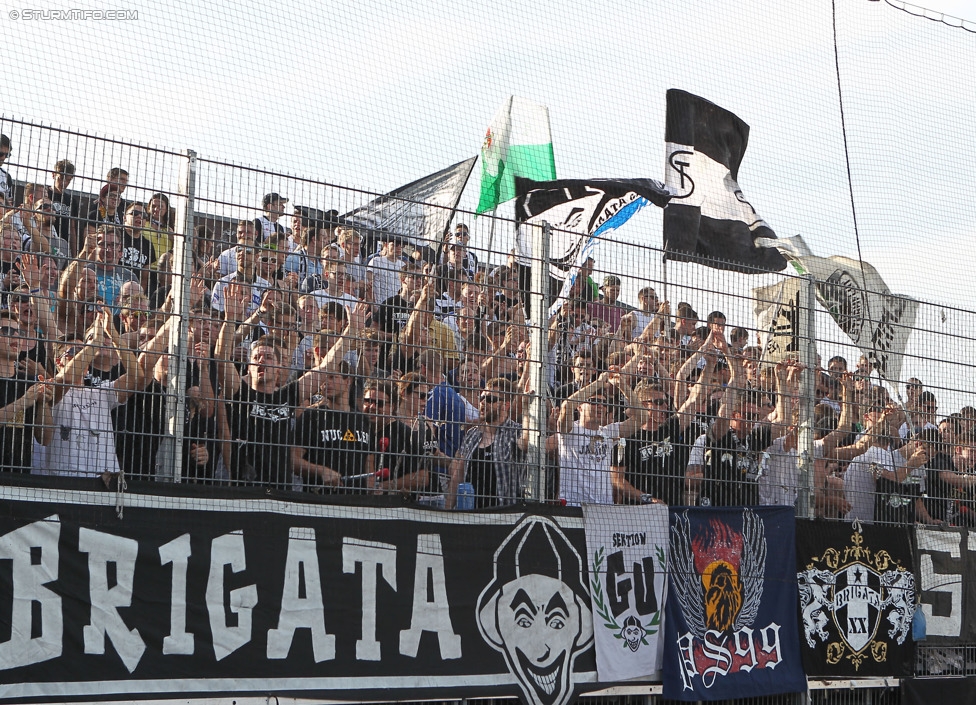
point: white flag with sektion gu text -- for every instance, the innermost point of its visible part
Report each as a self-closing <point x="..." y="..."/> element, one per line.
<point x="878" y="321"/>
<point x="627" y="554"/>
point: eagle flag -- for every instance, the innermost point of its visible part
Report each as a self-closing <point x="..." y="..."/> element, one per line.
<point x="778" y="309"/>
<point x="580" y="211"/>
<point x="730" y="618"/>
<point x="857" y="599"/>
<point x="708" y="220"/>
<point x="628" y="560"/>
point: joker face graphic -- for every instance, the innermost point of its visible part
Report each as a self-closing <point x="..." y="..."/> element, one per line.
<point x="633" y="632"/>
<point x="536" y="610"/>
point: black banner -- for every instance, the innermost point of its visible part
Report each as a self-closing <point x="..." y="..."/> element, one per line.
<point x="222" y="596"/>
<point x="857" y="599"/>
<point x="947" y="582"/>
<point x="925" y="691"/>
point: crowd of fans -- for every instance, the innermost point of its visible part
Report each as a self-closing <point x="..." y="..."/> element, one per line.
<point x="325" y="359"/>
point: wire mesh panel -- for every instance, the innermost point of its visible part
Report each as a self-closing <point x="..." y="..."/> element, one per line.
<point x="459" y="342"/>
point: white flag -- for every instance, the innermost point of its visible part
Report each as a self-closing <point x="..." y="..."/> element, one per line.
<point x="627" y="551"/>
<point x="878" y="321"/>
<point x="777" y="309"/>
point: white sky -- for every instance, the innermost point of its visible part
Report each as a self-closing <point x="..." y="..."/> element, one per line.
<point x="374" y="94"/>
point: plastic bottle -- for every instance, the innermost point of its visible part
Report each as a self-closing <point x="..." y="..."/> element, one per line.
<point x="465" y="496"/>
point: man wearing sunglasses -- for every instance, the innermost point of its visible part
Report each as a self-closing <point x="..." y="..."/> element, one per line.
<point x="246" y="274"/>
<point x="26" y="220"/>
<point x="491" y="455"/>
<point x="586" y="446"/>
<point x="396" y="449"/>
<point x="138" y="254"/>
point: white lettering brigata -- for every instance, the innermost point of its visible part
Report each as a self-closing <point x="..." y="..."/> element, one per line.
<point x="28" y="580"/>
<point x="37" y="612"/>
<point x="177" y="553"/>
<point x="301" y="612"/>
<point x="433" y="613"/>
<point x="103" y="549"/>
<point x="374" y="557"/>
<point x="228" y="550"/>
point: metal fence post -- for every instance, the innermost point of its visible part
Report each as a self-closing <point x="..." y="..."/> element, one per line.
<point x="169" y="464"/>
<point x="539" y="359"/>
<point x="804" y="442"/>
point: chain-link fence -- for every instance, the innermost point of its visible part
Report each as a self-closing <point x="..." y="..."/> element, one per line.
<point x="170" y="318"/>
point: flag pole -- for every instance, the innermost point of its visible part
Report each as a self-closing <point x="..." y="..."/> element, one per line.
<point x="491" y="237"/>
<point x="664" y="277"/>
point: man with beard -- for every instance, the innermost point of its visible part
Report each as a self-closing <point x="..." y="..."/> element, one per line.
<point x="334" y="441"/>
<point x="536" y="610"/>
<point x="490" y="457"/>
<point x="261" y="404"/>
<point x="651" y="465"/>
<point x="397" y="452"/>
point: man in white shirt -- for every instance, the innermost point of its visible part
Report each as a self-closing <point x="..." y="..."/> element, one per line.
<point x="383" y="270"/>
<point x="6" y="183"/>
<point x="274" y="208"/>
<point x="586" y="446"/>
<point x="83" y="443"/>
<point x="247" y="234"/>
<point x="247" y="262"/>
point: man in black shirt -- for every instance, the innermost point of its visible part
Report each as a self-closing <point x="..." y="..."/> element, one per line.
<point x="397" y="451"/>
<point x="25" y="403"/>
<point x="392" y="315"/>
<point x="736" y="448"/>
<point x="261" y="405"/>
<point x="138" y="254"/>
<point x="334" y="442"/>
<point x="65" y="205"/>
<point x="650" y="466"/>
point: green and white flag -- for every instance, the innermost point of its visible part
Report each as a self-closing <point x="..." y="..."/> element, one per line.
<point x="518" y="143"/>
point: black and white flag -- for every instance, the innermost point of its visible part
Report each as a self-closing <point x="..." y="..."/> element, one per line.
<point x="857" y="298"/>
<point x="580" y="211"/>
<point x="708" y="220"/>
<point x="777" y="310"/>
<point x="419" y="212"/>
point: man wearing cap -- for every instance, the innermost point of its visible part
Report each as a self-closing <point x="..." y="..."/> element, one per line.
<point x="609" y="308"/>
<point x="274" y="208"/>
